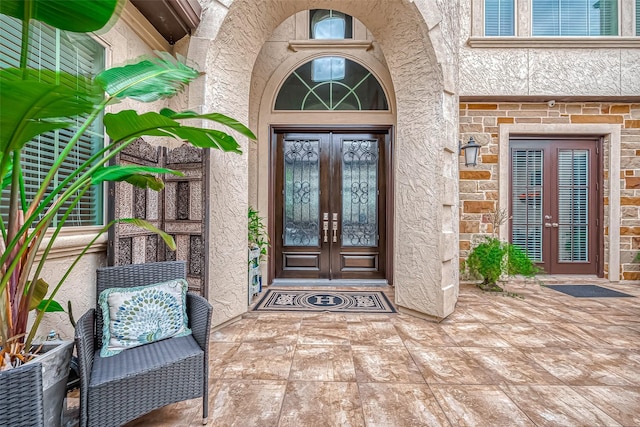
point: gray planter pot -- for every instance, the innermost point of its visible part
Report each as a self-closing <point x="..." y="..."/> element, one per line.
<point x="55" y="371"/>
<point x="33" y="394"/>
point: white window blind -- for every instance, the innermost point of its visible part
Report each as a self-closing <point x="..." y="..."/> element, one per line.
<point x="573" y="205"/>
<point x="499" y="18"/>
<point x="56" y="50"/>
<point x="526" y="201"/>
<point x="637" y="17"/>
<point x="575" y="18"/>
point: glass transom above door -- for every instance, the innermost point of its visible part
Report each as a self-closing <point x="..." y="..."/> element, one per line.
<point x="331" y="83"/>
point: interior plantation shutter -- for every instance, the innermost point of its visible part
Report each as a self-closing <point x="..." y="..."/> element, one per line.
<point x="499" y="18"/>
<point x="56" y="50"/>
<point x="575" y="18"/>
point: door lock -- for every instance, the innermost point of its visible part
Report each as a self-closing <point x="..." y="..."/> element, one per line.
<point x="325" y="226"/>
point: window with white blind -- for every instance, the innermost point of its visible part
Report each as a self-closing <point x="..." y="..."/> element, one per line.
<point x="575" y="17"/>
<point x="499" y="18"/>
<point x="637" y="17"/>
<point x="526" y="201"/>
<point x="73" y="53"/>
<point x="573" y="205"/>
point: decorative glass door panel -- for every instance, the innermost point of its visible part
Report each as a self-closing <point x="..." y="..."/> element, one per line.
<point x="555" y="203"/>
<point x="329" y="205"/>
<point x="301" y="192"/>
<point x="359" y="193"/>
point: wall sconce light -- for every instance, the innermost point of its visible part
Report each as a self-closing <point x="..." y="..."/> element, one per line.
<point x="471" y="150"/>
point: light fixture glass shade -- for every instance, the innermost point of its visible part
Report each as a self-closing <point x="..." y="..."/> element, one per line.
<point x="471" y="150"/>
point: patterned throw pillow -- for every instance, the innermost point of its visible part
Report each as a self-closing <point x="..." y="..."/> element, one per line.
<point x="141" y="315"/>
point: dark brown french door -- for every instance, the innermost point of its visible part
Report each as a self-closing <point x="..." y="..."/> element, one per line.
<point x="330" y="205"/>
<point x="556" y="203"/>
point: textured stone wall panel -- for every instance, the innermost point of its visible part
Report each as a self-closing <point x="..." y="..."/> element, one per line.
<point x="504" y="72"/>
<point x="574" y="72"/>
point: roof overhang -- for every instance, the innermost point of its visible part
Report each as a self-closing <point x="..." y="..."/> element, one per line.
<point x="172" y="18"/>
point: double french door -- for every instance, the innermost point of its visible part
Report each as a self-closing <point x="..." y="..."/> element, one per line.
<point x="556" y="203"/>
<point x="330" y="205"/>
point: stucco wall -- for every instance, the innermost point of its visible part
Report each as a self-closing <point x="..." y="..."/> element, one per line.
<point x="415" y="39"/>
<point x="515" y="68"/>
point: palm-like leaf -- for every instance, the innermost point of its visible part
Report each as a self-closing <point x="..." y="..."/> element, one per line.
<point x="33" y="106"/>
<point x="148" y="80"/>
<point x="128" y="124"/>
<point x="214" y="117"/>
<point x="150" y="227"/>
<point x="80" y="16"/>
<point x="140" y="176"/>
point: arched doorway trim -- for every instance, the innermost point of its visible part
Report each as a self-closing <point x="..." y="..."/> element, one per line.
<point x="268" y="117"/>
<point x="419" y="40"/>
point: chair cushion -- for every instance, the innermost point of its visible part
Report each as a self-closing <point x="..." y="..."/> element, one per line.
<point x="143" y="359"/>
<point x="143" y="314"/>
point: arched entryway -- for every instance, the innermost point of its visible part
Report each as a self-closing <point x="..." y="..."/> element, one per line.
<point x="421" y="64"/>
<point x="327" y="114"/>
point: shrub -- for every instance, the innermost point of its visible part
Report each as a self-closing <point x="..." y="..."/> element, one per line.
<point x="493" y="258"/>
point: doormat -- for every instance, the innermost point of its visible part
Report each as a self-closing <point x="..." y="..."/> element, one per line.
<point x="332" y="301"/>
<point x="588" y="291"/>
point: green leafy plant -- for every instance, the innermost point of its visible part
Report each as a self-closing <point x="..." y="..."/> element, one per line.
<point x="258" y="237"/>
<point x="33" y="102"/>
<point x="492" y="258"/>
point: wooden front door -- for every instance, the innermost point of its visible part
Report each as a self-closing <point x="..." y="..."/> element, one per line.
<point x="330" y="205"/>
<point x="556" y="203"/>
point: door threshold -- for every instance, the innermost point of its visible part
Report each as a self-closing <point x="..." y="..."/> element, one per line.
<point x="330" y="283"/>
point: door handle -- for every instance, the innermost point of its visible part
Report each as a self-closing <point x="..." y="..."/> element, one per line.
<point x="554" y="225"/>
<point x="335" y="227"/>
<point x="550" y="224"/>
<point x="547" y="224"/>
<point x="325" y="226"/>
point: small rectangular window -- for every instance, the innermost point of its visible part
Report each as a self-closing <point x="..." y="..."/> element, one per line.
<point x="74" y="53"/>
<point x="329" y="24"/>
<point x="499" y="18"/>
<point x="637" y="17"/>
<point x="575" y="17"/>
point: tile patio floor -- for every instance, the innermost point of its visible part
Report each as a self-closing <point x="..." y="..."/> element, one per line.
<point x="548" y="360"/>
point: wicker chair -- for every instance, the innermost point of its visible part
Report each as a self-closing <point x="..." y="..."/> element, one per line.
<point x="21" y="401"/>
<point x="120" y="388"/>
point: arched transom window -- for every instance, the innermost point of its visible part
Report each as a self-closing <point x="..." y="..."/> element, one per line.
<point x="331" y="83"/>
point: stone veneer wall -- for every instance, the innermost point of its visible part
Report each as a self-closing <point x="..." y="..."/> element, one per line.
<point x="479" y="185"/>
